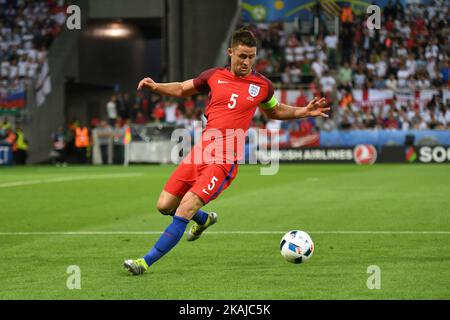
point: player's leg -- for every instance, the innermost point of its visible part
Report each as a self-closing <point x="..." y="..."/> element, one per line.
<point x="168" y="203"/>
<point x="170" y="199"/>
<point x="213" y="180"/>
<point x="188" y="207"/>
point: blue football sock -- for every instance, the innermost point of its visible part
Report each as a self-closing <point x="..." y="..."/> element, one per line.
<point x="200" y="217"/>
<point x="168" y="240"/>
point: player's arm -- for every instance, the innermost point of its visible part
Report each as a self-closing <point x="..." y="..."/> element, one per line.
<point x="280" y="111"/>
<point x="172" y="89"/>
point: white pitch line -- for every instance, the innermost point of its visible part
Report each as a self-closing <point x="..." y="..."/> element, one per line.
<point x="65" y="179"/>
<point x="99" y="233"/>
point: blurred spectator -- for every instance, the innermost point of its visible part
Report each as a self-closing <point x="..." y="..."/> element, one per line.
<point x="369" y="119"/>
<point x="301" y="100"/>
<point x="445" y="73"/>
<point x="391" y="83"/>
<point x="345" y="76"/>
<point x="26" y="25"/>
<point x="59" y="142"/>
<point x="189" y="106"/>
<point x="319" y="68"/>
<point x="11" y="138"/>
<point x="124" y="106"/>
<point x="331" y="41"/>
<point x="111" y="110"/>
<point x="378" y="83"/>
<point x="171" y="108"/>
<point x="82" y="142"/>
<point x="104" y="136"/>
<point x="21" y="148"/>
<point x="158" y="113"/>
<point x="391" y="121"/>
<point x="140" y="118"/>
<point x="359" y="78"/>
<point x="118" y="144"/>
<point x="327" y="83"/>
<point x="346" y="100"/>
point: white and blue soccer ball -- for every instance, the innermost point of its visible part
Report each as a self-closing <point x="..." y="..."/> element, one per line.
<point x="296" y="246"/>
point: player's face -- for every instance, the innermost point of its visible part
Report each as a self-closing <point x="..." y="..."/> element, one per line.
<point x="242" y="59"/>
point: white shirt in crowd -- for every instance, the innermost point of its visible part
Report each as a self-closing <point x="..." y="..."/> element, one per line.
<point x="431" y="69"/>
<point x="402" y="52"/>
<point x="447" y="117"/>
<point x="171" y="112"/>
<point x="23" y="65"/>
<point x="411" y="66"/>
<point x="402" y="76"/>
<point x="273" y="125"/>
<point x="426" y="116"/>
<point x="381" y="68"/>
<point x="359" y="79"/>
<point x="327" y="83"/>
<point x="391" y="84"/>
<point x="322" y="56"/>
<point x="331" y="41"/>
<point x="13" y="71"/>
<point x="431" y="51"/>
<point x="295" y="74"/>
<point x="5" y="69"/>
<point x="33" y="54"/>
<point x="111" y="109"/>
<point x="423" y="83"/>
<point x="405" y="124"/>
<point x="32" y="69"/>
<point x="423" y="125"/>
<point x="319" y="68"/>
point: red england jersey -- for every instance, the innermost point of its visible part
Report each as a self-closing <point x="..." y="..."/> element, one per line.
<point x="232" y="103"/>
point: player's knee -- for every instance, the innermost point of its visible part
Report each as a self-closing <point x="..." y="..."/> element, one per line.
<point x="163" y="207"/>
<point x="186" y="211"/>
<point x="189" y="206"/>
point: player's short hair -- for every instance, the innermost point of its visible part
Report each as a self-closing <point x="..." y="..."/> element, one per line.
<point x="243" y="37"/>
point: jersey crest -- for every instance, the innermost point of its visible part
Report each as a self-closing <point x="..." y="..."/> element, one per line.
<point x="253" y="90"/>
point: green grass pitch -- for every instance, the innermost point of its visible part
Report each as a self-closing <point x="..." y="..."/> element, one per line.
<point x="396" y="217"/>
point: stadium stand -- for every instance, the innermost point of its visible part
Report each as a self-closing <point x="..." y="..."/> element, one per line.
<point x="393" y="78"/>
<point x="27" y="30"/>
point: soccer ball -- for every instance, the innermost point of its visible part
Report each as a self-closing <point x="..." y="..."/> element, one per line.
<point x="296" y="246"/>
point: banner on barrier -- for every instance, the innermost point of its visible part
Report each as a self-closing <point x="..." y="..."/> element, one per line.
<point x="6" y="157"/>
<point x="428" y="154"/>
<point x="360" y="154"/>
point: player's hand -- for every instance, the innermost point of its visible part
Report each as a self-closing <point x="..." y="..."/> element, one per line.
<point x="318" y="107"/>
<point x="147" y="83"/>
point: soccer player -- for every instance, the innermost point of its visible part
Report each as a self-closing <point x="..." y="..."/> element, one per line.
<point x="235" y="92"/>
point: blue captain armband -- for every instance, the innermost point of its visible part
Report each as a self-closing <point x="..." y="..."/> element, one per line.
<point x="272" y="103"/>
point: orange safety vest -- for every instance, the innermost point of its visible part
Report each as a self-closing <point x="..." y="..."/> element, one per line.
<point x="347" y="15"/>
<point x="81" y="137"/>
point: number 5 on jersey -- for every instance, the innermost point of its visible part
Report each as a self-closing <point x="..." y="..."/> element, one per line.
<point x="211" y="185"/>
<point x="233" y="100"/>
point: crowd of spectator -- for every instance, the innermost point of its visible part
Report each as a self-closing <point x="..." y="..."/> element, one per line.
<point x="412" y="45"/>
<point x="27" y="29"/>
<point x="410" y="51"/>
<point x="144" y="107"/>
